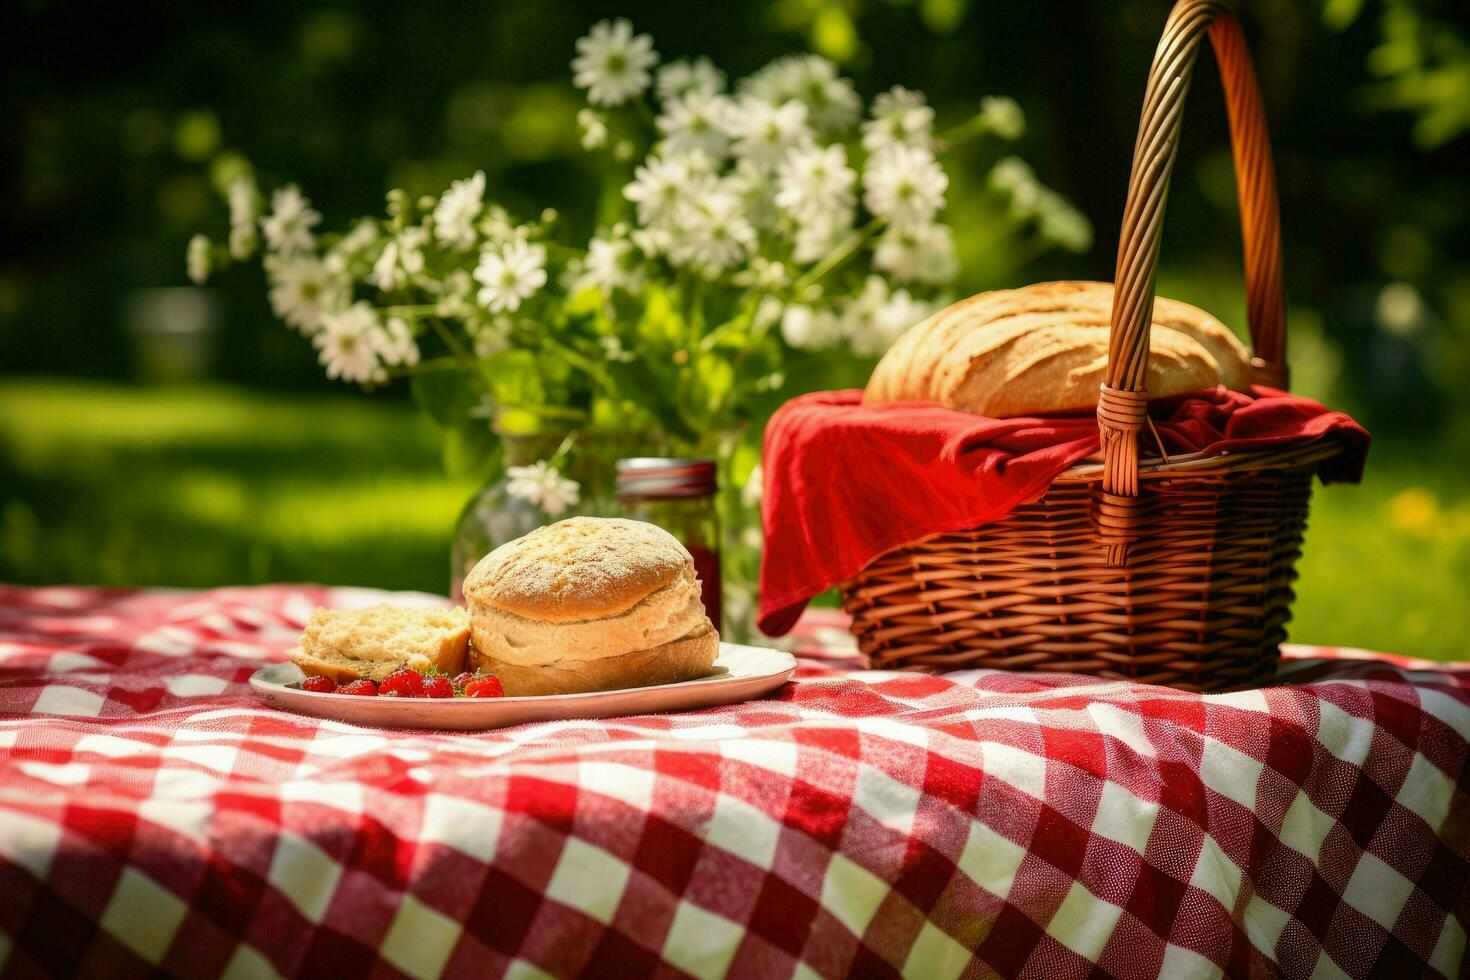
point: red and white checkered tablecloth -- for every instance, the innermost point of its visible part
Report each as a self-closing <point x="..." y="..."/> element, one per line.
<point x="155" y="816"/>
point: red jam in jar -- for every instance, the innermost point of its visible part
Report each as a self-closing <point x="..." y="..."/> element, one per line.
<point x="679" y="496"/>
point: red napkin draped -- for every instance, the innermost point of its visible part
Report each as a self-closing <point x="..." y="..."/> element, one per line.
<point x="846" y="482"/>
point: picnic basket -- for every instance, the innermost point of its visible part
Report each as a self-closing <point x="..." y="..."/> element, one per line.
<point x="1164" y="570"/>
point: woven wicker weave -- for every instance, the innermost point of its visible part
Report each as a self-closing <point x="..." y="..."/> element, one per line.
<point x="1170" y="571"/>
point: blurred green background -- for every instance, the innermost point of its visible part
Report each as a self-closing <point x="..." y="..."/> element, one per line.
<point x="152" y="434"/>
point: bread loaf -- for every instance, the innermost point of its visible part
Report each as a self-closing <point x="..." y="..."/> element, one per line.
<point x="589" y="604"/>
<point x="345" y="644"/>
<point x="1044" y="348"/>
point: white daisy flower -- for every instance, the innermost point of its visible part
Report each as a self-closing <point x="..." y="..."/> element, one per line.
<point x="754" y="185"/>
<point x="348" y="342"/>
<point x="303" y="290"/>
<point x="815" y="181"/>
<point x="662" y="182"/>
<point x="611" y="263"/>
<point x="396" y="344"/>
<point x="541" y="485"/>
<point x="813" y="80"/>
<point x="612" y="64"/>
<point x="808" y="328"/>
<point x="899" y="116"/>
<point x="287" y="228"/>
<point x="197" y="262"/>
<point x="402" y="258"/>
<point x="696" y="122"/>
<point x="353" y="246"/>
<point x="244" y="209"/>
<point x="819" y="235"/>
<point x="510" y="275"/>
<point x="1002" y="116"/>
<point x="904" y="185"/>
<point x="712" y="232"/>
<point x="593" y="129"/>
<point x="876" y="317"/>
<point x="922" y="253"/>
<point x="680" y="78"/>
<point x="457" y="210"/>
<point x="764" y="132"/>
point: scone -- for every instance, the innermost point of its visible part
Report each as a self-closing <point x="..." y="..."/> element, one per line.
<point x="589" y="604"/>
<point x="345" y="644"/>
<point x="1044" y="348"/>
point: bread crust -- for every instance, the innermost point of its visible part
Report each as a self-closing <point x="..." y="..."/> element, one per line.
<point x="687" y="658"/>
<point x="580" y="569"/>
<point x="1044" y="348"/>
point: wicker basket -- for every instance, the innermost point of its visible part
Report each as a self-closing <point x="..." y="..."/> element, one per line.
<point x="1172" y="571"/>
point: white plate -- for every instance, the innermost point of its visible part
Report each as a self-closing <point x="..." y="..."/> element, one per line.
<point x="740" y="673"/>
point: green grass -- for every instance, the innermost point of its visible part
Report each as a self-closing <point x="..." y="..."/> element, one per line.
<point x="213" y="485"/>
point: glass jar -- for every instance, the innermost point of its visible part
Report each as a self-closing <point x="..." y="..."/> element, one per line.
<point x="494" y="515"/>
<point x="679" y="496"/>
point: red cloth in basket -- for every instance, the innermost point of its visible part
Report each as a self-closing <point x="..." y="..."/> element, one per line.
<point x="846" y="482"/>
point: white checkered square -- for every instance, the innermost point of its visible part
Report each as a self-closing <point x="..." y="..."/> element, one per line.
<point x="990" y="859"/>
<point x="63" y="699"/>
<point x="249" y="963"/>
<point x="461" y="824"/>
<point x="768" y="753"/>
<point x="1125" y="726"/>
<point x="305" y="874"/>
<point x="1305" y="827"/>
<point x="1230" y="772"/>
<point x="852" y="893"/>
<point x="700" y="942"/>
<point x="1427" y="791"/>
<point x="1215" y="874"/>
<point x="589" y="879"/>
<point x="1123" y="817"/>
<point x="936" y="955"/>
<point x="1185" y="964"/>
<point x="1083" y="922"/>
<point x="743" y="830"/>
<point x="1449" y="951"/>
<point x="1017" y="767"/>
<point x="421" y="939"/>
<point x="887" y="800"/>
<point x="1378" y="891"/>
<point x="1264" y="924"/>
<point x="143" y="915"/>
<point x="28" y="842"/>
<point x="632" y="785"/>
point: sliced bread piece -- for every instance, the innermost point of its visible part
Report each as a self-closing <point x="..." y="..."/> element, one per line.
<point x="345" y="644"/>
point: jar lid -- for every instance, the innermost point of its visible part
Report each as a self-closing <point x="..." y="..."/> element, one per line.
<point x="665" y="476"/>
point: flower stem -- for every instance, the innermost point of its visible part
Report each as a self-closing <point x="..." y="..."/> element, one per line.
<point x="837" y="256"/>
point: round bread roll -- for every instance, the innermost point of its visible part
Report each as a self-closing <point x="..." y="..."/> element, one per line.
<point x="589" y="604"/>
<point x="1044" y="348"/>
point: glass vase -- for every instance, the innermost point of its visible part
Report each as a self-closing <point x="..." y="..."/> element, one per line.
<point x="494" y="516"/>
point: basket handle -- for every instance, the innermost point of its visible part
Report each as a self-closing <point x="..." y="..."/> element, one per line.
<point x="1123" y="404"/>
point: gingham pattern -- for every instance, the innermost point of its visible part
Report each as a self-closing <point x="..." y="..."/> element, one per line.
<point x="154" y="816"/>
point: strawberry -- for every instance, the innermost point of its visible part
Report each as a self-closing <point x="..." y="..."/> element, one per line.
<point x="464" y="678"/>
<point x="361" y="687"/>
<point x="319" y="685"/>
<point x="438" y="686"/>
<point x="484" y="686"/>
<point x="405" y="682"/>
